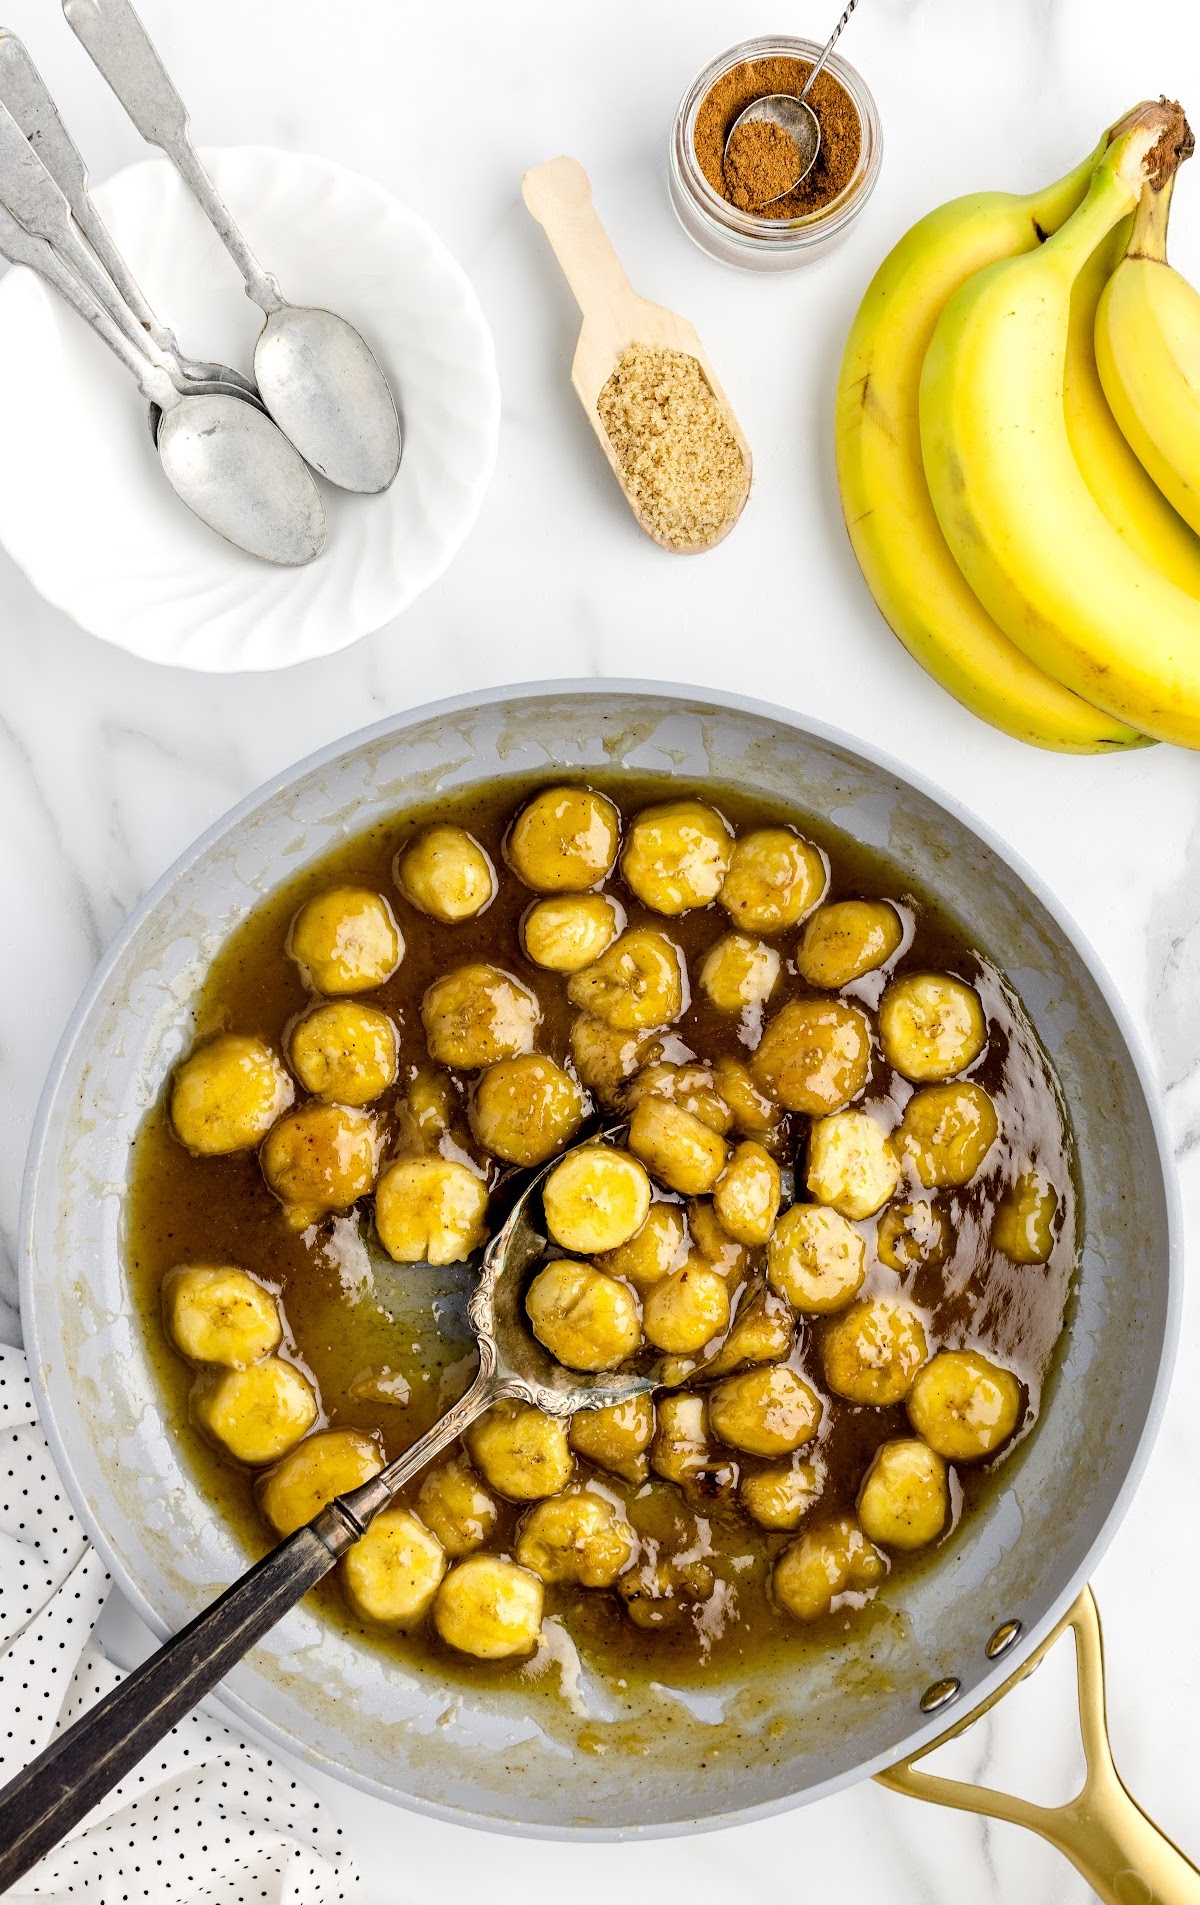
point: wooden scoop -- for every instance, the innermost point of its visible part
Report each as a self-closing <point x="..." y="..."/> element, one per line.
<point x="559" y="195"/>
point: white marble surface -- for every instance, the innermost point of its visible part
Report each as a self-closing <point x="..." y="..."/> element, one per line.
<point x="108" y="767"/>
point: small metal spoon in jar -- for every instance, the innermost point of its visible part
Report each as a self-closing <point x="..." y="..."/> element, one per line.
<point x="222" y="455"/>
<point x="790" y="113"/>
<point x="54" y="1792"/>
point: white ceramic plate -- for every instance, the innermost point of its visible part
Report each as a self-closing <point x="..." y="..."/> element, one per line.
<point x="84" y="507"/>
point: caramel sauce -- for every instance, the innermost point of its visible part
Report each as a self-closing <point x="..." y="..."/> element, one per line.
<point x="184" y="1208"/>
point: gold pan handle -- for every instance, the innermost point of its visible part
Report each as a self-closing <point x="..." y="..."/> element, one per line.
<point x="1103" y="1831"/>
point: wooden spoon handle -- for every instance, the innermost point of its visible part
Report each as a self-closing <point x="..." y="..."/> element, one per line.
<point x="559" y="194"/>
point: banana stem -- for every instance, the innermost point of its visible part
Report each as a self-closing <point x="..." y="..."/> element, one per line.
<point x="1139" y="163"/>
<point x="1053" y="204"/>
<point x="1148" y="238"/>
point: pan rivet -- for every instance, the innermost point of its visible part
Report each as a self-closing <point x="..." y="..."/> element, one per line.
<point x="1002" y="1639"/>
<point x="940" y="1694"/>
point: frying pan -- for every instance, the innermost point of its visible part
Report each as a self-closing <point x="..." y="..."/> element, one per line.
<point x="943" y="1641"/>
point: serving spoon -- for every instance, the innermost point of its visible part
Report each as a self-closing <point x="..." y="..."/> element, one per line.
<point x="221" y="453"/>
<point x="314" y="371"/>
<point x="24" y="93"/>
<point x="792" y="115"/>
<point x="57" y="1789"/>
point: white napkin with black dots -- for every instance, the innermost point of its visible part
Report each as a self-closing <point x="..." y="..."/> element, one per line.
<point x="205" y="1819"/>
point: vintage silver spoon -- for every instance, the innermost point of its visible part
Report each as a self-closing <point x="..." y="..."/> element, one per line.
<point x="315" y="373"/>
<point x="793" y="116"/>
<point x="50" y="1797"/>
<point x="221" y="453"/>
<point x="25" y="94"/>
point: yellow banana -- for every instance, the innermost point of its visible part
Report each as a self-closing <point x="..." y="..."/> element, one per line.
<point x="894" y="532"/>
<point x="1148" y="352"/>
<point x="1018" y="515"/>
<point x="1128" y="496"/>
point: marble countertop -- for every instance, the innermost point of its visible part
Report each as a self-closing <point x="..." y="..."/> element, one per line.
<point x="109" y="766"/>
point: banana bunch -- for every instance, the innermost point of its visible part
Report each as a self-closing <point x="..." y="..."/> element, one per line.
<point x="1018" y="447"/>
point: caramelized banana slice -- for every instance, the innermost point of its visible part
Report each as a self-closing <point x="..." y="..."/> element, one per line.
<point x="905" y="1495"/>
<point x="683" y="1154"/>
<point x="636" y="986"/>
<point x="477" y="1015"/>
<point x="871" y="1352"/>
<point x="846" y="940"/>
<point x="522" y="1453"/>
<point x="344" y="1052"/>
<point x="587" y="1320"/>
<point x="393" y="1573"/>
<point x="216" y="1313"/>
<point x="616" y="1438"/>
<point x="762" y="1333"/>
<point x="774" y="879"/>
<point x="576" y="1538"/>
<point x="564" y="841"/>
<point x="813" y="1573"/>
<point x="456" y="1506"/>
<point x="779" y="1498"/>
<point x="680" y="1444"/>
<point x="739" y="972"/>
<point x="346" y="940"/>
<point x="489" y="1607"/>
<point x="816" y="1259"/>
<point x="686" y="1309"/>
<point x="321" y="1158"/>
<point x="765" y="1411"/>
<point x="754" y="1114"/>
<point x="853" y="1165"/>
<point x="964" y="1405"/>
<point x="446" y="874"/>
<point x="596" y="1199"/>
<point x="691" y="1087"/>
<point x="931" y="1026"/>
<point x="525" y="1109"/>
<point x="227" y="1095"/>
<point x="815" y="1056"/>
<point x="565" y="935"/>
<point x="676" y="856"/>
<point x="946" y="1133"/>
<point x="911" y="1234"/>
<point x="430" y="1210"/>
<point x="712" y="1242"/>
<point x="1024" y="1227"/>
<point x="605" y="1057"/>
<point x="747" y="1194"/>
<point x="256" y="1413"/>
<point x="651" y="1252"/>
<point x="324" y="1465"/>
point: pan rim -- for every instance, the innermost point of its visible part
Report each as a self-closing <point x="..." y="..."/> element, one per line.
<point x="230" y="1706"/>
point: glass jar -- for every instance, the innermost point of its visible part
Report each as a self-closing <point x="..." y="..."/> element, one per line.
<point x="742" y="238"/>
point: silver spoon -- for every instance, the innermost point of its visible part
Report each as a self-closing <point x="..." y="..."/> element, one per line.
<point x="50" y="1797"/>
<point x="25" y="93"/>
<point x="222" y="454"/>
<point x="793" y="116"/>
<point x="314" y="371"/>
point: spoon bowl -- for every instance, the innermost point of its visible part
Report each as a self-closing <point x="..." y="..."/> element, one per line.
<point x="322" y="384"/>
<point x="794" y="117"/>
<point x="239" y="474"/>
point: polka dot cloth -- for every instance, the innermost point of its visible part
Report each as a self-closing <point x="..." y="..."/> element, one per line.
<point x="205" y="1819"/>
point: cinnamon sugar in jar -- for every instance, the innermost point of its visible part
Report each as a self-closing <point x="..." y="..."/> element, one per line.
<point x="814" y="217"/>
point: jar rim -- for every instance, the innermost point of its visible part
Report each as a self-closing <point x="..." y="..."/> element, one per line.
<point x="749" y="227"/>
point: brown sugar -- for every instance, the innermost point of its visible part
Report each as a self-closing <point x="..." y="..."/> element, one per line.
<point x="681" y="461"/>
<point x="836" y="114"/>
<point x="762" y="163"/>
